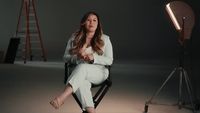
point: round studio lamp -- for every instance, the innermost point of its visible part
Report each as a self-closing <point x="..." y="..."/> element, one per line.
<point x="182" y="17"/>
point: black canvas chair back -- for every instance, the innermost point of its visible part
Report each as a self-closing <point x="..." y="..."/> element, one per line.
<point x="102" y="88"/>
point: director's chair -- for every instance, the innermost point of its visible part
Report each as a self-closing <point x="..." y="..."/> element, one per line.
<point x="102" y="88"/>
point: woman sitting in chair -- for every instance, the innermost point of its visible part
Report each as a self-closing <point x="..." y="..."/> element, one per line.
<point x="90" y="50"/>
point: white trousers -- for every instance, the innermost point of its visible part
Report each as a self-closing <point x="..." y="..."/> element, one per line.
<point x="82" y="78"/>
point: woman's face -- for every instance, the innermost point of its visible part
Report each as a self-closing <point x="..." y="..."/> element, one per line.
<point x="91" y="23"/>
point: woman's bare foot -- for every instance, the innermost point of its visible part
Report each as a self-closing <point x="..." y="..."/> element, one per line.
<point x="56" y="103"/>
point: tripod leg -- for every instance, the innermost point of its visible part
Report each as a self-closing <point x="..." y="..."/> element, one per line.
<point x="189" y="90"/>
<point x="158" y="91"/>
<point x="180" y="88"/>
<point x="196" y="101"/>
<point x="189" y="82"/>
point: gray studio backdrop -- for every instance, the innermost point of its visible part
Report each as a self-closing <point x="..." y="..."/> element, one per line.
<point x="138" y="28"/>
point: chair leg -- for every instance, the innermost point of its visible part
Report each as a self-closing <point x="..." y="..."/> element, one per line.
<point x="101" y="95"/>
<point x="98" y="92"/>
<point x="77" y="100"/>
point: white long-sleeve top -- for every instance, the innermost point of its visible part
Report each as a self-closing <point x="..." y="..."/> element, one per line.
<point x="105" y="59"/>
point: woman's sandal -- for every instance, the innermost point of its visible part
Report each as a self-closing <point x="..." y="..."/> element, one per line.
<point x="56" y="103"/>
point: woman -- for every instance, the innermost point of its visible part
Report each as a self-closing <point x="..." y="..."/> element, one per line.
<point x="91" y="50"/>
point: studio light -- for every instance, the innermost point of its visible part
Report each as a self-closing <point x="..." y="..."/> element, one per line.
<point x="182" y="17"/>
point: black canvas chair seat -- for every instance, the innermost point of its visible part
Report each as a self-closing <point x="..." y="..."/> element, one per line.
<point x="102" y="88"/>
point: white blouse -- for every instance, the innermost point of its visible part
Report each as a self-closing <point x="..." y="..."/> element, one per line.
<point x="105" y="59"/>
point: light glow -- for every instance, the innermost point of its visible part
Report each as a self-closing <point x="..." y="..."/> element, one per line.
<point x="172" y="16"/>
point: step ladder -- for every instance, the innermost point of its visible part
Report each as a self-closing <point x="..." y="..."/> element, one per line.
<point x="31" y="45"/>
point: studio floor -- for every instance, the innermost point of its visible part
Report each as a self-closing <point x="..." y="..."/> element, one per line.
<point x="28" y="88"/>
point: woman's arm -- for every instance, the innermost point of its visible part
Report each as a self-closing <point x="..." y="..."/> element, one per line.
<point x="67" y="56"/>
<point x="107" y="57"/>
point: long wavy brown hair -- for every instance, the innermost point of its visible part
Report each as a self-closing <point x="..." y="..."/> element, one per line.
<point x="80" y="36"/>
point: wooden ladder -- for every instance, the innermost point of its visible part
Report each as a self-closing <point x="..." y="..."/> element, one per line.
<point x="31" y="45"/>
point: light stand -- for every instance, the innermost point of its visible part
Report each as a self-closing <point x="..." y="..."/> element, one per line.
<point x="183" y="75"/>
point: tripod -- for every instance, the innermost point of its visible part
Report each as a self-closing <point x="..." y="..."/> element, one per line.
<point x="183" y="76"/>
